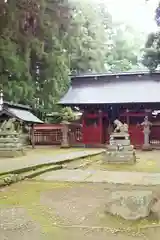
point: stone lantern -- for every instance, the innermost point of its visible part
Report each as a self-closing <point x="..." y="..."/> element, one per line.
<point x="65" y="133"/>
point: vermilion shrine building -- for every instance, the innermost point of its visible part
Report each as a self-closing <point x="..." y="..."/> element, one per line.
<point x="102" y="98"/>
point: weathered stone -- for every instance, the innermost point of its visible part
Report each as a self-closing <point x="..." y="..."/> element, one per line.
<point x="65" y="131"/>
<point x="119" y="138"/>
<point x="131" y="205"/>
<point x="114" y="148"/>
<point x="120" y="157"/>
<point x="120" y="149"/>
<point x="156" y="210"/>
<point x="147" y="147"/>
<point x="11" y="146"/>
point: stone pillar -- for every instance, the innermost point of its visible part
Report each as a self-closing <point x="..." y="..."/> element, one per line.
<point x="65" y="131"/>
<point x="146" y="145"/>
<point x="1" y="100"/>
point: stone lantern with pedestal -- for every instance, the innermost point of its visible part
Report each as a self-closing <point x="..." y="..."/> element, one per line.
<point x="65" y="133"/>
<point x="146" y="130"/>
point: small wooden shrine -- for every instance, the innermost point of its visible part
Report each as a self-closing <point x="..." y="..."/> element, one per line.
<point x="129" y="97"/>
<point x="15" y="118"/>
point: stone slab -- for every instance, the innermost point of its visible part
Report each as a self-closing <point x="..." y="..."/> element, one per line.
<point x="132" y="178"/>
<point x="7" y="165"/>
<point x="66" y="175"/>
<point x="99" y="176"/>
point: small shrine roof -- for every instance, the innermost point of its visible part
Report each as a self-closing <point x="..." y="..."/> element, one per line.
<point x="17" y="105"/>
<point x="136" y="87"/>
<point x="20" y="112"/>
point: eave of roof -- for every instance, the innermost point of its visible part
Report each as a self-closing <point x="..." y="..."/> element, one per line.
<point x="113" y="74"/>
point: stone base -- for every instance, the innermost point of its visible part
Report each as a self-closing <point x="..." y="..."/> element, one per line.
<point x="120" y="135"/>
<point x="114" y="148"/>
<point x="12" y="153"/>
<point x="124" y="142"/>
<point x="147" y="147"/>
<point x="120" y="138"/>
<point x="120" y="157"/>
<point x="65" y="146"/>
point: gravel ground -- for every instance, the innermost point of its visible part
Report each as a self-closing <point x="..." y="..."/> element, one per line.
<point x="38" y="210"/>
<point x="16" y="224"/>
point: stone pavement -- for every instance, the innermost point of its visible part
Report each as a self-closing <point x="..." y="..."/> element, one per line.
<point x="99" y="176"/>
<point x="14" y="164"/>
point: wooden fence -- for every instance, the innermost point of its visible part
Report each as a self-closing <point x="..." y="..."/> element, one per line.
<point x="51" y="134"/>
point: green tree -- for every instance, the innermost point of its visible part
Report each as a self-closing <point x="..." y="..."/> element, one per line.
<point x="33" y="66"/>
<point x="87" y="36"/>
<point x="125" y="49"/>
<point x="152" y="47"/>
<point x="42" y="41"/>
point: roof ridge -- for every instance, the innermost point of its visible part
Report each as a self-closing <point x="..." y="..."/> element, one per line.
<point x="18" y="105"/>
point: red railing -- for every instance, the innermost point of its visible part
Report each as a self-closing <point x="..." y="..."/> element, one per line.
<point x="51" y="134"/>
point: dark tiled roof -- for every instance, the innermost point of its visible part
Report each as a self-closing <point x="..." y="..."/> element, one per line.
<point x="113" y="88"/>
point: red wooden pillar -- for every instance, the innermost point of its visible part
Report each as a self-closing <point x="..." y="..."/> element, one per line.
<point x="83" y="126"/>
<point x="32" y="136"/>
<point x="100" y="116"/>
<point x="127" y="116"/>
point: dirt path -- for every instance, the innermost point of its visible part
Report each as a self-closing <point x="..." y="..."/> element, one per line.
<point x="39" y="210"/>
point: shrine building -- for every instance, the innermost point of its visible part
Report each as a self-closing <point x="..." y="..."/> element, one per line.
<point x="129" y="97"/>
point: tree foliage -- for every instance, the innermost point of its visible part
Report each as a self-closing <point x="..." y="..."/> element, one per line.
<point x="87" y="37"/>
<point x="42" y="41"/>
<point x="152" y="47"/>
<point x="124" y="49"/>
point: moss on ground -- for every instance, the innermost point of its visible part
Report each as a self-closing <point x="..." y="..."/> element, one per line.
<point x="27" y="196"/>
<point x="146" y="162"/>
